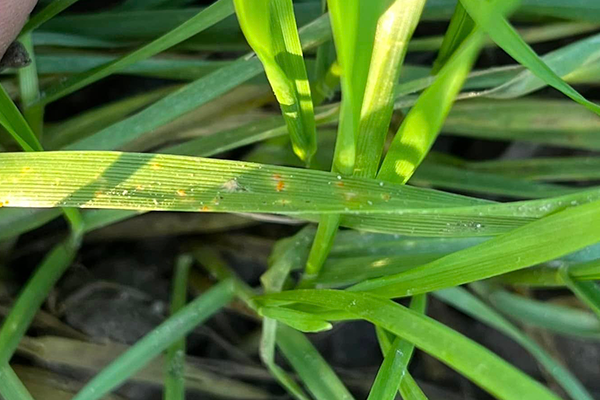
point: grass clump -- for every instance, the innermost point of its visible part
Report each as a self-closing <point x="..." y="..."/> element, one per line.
<point x="308" y="131"/>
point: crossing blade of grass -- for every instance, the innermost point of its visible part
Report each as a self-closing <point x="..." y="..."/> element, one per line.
<point x="509" y="40"/>
<point x="90" y="122"/>
<point x="151" y="345"/>
<point x="14" y="123"/>
<point x="424" y="121"/>
<point x="544" y="169"/>
<point x="563" y="320"/>
<point x="270" y="28"/>
<point x="175" y="357"/>
<point x="394" y="30"/>
<point x="218" y="268"/>
<point x="307" y="360"/>
<point x="448" y="177"/>
<point x="11" y="387"/>
<point x="327" y="71"/>
<point x="213" y="14"/>
<point x="549" y="276"/>
<point x="393" y="375"/>
<point x="320" y="379"/>
<point x="464" y="301"/>
<point x="587" y="292"/>
<point x="575" y="62"/>
<point x="16" y="221"/>
<point x="267" y="356"/>
<point x="143" y="25"/>
<point x="552" y="122"/>
<point x="470" y="359"/>
<point x="145" y="4"/>
<point x="285" y="254"/>
<point x="34" y="294"/>
<point x="461" y="26"/>
<point x="534" y="34"/>
<point x="68" y="62"/>
<point x="537" y="242"/>
<point x="46" y="14"/>
<point x="30" y="90"/>
<point x="566" y="62"/>
<point x="191" y="96"/>
<point x="244" y="135"/>
<point x="354" y="25"/>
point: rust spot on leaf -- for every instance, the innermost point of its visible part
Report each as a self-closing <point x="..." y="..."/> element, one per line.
<point x="181" y="192"/>
<point x="280" y="186"/>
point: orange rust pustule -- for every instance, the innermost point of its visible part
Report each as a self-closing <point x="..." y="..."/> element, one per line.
<point x="280" y="186"/>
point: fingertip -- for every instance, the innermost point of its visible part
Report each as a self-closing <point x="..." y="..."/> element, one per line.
<point x="13" y="14"/>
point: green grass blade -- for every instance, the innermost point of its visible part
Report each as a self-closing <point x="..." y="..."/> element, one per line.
<point x="509" y="40"/>
<point x="410" y="390"/>
<point x="146" y="4"/>
<point x="393" y="375"/>
<point x="170" y="331"/>
<point x="461" y="26"/>
<point x="191" y="96"/>
<point x="14" y="123"/>
<point x="569" y="62"/>
<point x="549" y="276"/>
<point x="534" y="34"/>
<point x="66" y="62"/>
<point x="394" y="30"/>
<point x="354" y="25"/>
<point x="46" y="14"/>
<point x="267" y="356"/>
<point x="90" y="122"/>
<point x="539" y="241"/>
<point x="544" y="169"/>
<point x="270" y="28"/>
<point x="175" y="357"/>
<point x="553" y="122"/>
<point x="11" y="388"/>
<point x="30" y="90"/>
<point x="387" y="381"/>
<point x="140" y="181"/>
<point x="471" y="305"/>
<point x="320" y="379"/>
<point x="555" y="318"/>
<point x="284" y="256"/>
<point x="34" y="294"/>
<point x="452" y="216"/>
<point x="213" y="14"/>
<point x="587" y="292"/>
<point x="449" y="177"/>
<point x="424" y="121"/>
<point x="470" y="359"/>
